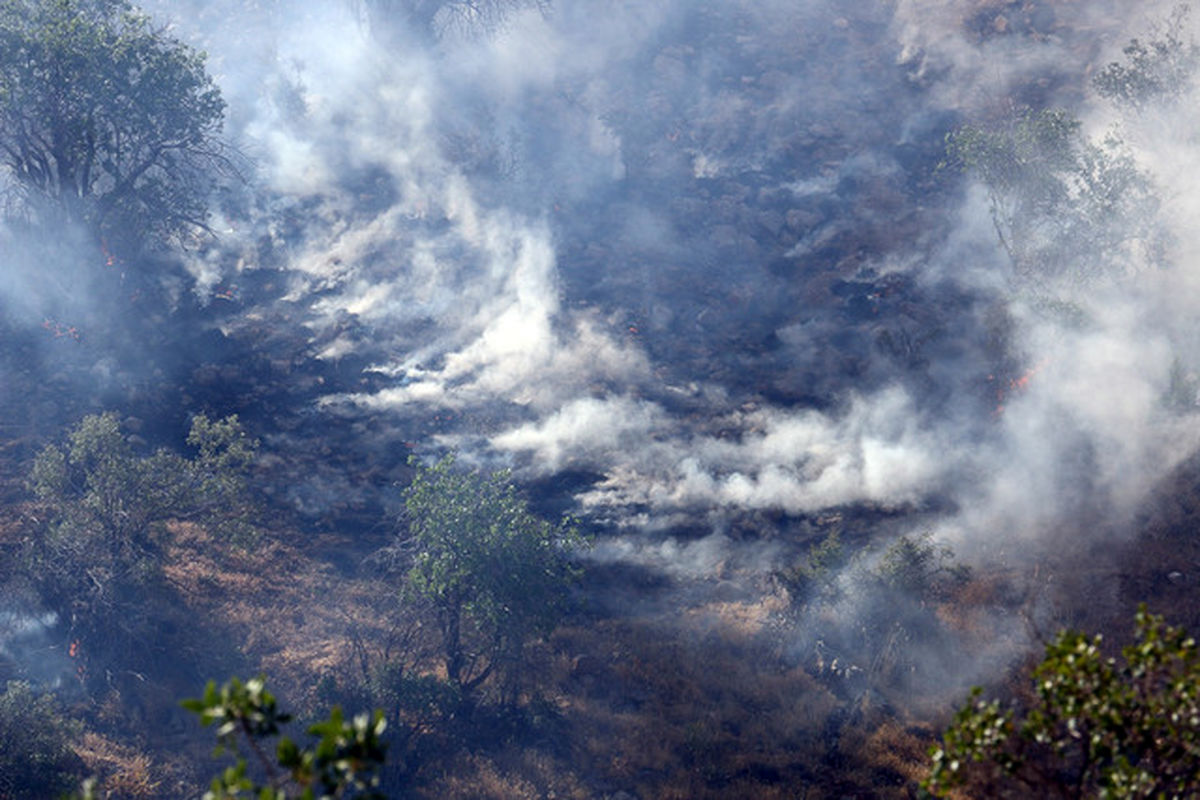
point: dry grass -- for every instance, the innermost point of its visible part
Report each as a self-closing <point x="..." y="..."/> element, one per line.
<point x="268" y="599"/>
<point x="513" y="773"/>
<point x="122" y="772"/>
<point x="658" y="714"/>
<point x="698" y="704"/>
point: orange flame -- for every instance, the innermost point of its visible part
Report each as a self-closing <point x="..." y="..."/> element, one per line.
<point x="109" y="259"/>
<point x="61" y="331"/>
<point x="75" y="650"/>
<point x="1016" y="385"/>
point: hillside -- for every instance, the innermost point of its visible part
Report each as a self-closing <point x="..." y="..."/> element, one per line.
<point x="859" y="342"/>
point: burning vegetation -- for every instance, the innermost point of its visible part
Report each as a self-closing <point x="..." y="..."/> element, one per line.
<point x="674" y="401"/>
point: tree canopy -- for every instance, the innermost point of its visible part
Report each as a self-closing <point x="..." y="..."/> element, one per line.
<point x="493" y="572"/>
<point x="107" y="121"/>
<point x="434" y="18"/>
<point x="98" y="550"/>
<point x="1064" y="207"/>
<point x="1098" y="727"/>
<point x="36" y="756"/>
<point x="1160" y="68"/>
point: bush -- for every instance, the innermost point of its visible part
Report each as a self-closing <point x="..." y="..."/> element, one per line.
<point x="96" y="559"/>
<point x="493" y="572"/>
<point x="36" y="759"/>
<point x="815" y="576"/>
<point x="921" y="569"/>
<point x="1097" y="727"/>
<point x="1065" y="208"/>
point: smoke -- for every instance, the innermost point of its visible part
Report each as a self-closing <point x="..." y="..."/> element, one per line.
<point x="29" y="650"/>
<point x="669" y="246"/>
<point x="702" y="253"/>
<point x="800" y="462"/>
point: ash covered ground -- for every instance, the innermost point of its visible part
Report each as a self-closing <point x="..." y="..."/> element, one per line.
<point x="691" y="271"/>
<point x="698" y="273"/>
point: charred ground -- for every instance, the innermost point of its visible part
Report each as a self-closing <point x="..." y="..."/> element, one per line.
<point x="759" y="253"/>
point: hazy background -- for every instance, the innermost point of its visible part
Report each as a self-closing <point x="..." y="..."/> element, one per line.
<point x="690" y="269"/>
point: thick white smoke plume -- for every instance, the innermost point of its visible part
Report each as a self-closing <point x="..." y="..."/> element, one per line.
<point x="701" y="252"/>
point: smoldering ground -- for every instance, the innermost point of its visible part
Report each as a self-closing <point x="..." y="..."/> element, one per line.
<point x="701" y="255"/>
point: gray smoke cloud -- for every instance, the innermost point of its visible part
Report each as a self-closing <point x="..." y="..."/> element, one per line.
<point x="505" y="219"/>
<point x="700" y="255"/>
<point x="800" y="462"/>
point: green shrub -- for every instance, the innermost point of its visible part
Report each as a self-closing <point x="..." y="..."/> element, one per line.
<point x="96" y="558"/>
<point x="1097" y="728"/>
<point x="493" y="572"/>
<point x="36" y="755"/>
<point x="1066" y="209"/>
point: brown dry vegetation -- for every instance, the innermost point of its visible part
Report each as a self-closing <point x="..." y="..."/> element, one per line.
<point x="122" y="770"/>
<point x="698" y="703"/>
<point x="690" y="706"/>
<point x="264" y="598"/>
<point x="701" y="702"/>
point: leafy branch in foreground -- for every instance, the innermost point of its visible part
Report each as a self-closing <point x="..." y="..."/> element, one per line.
<point x="343" y="762"/>
<point x="1097" y="728"/>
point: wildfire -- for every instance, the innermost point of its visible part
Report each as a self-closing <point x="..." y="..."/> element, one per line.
<point x="61" y="331"/>
<point x="109" y="259"/>
<point x="1015" y="385"/>
<point x="229" y="292"/>
<point x="75" y="651"/>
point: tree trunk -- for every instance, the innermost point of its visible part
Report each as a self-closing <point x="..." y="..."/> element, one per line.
<point x="452" y="645"/>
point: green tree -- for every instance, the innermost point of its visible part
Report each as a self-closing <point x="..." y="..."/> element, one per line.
<point x="435" y="18"/>
<point x="106" y="121"/>
<point x="96" y="557"/>
<point x="1098" y="727"/>
<point x="493" y="572"/>
<point x="919" y="567"/>
<point x="36" y="756"/>
<point x="815" y="576"/>
<point x="1064" y="207"/>
<point x="1160" y="69"/>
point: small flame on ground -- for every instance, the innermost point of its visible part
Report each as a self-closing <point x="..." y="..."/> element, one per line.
<point x="61" y="331"/>
<point x="75" y="651"/>
<point x="109" y="259"/>
<point x="1016" y="385"/>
